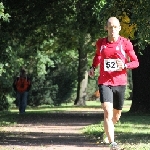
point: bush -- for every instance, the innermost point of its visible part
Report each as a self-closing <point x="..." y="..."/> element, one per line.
<point x="4" y="105"/>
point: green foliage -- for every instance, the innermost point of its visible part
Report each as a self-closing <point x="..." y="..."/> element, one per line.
<point x="138" y="12"/>
<point x="92" y="85"/>
<point x="43" y="60"/>
<point x="57" y="83"/>
<point x="43" y="92"/>
<point x="3" y="16"/>
<point x="4" y="105"/>
<point x="65" y="82"/>
<point x="128" y="93"/>
<point x="45" y="36"/>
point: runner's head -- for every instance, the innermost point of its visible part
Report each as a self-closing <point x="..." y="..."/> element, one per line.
<point x="113" y="27"/>
<point x="22" y="72"/>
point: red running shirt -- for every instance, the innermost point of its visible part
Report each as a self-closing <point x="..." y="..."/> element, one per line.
<point x="106" y="55"/>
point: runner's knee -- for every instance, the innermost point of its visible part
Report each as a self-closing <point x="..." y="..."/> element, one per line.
<point x="108" y="110"/>
<point x="108" y="114"/>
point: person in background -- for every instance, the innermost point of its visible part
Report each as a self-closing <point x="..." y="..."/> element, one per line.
<point x="113" y="54"/>
<point x="22" y="85"/>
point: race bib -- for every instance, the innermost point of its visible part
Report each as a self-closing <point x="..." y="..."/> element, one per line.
<point x="110" y="65"/>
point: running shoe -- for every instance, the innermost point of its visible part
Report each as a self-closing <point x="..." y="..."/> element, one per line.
<point x="114" y="146"/>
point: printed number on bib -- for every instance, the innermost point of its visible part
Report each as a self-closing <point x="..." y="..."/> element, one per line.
<point x="110" y="65"/>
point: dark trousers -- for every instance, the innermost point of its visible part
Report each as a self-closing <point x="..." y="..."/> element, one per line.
<point x="22" y="101"/>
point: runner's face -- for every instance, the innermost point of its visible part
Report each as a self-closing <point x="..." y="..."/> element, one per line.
<point x="113" y="28"/>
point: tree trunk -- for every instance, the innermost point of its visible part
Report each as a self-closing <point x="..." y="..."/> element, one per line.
<point x="82" y="78"/>
<point x="141" y="83"/>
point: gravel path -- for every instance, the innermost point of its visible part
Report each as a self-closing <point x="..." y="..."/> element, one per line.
<point x="56" y="131"/>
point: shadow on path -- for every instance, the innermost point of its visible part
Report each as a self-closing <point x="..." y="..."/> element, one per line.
<point x="50" y="129"/>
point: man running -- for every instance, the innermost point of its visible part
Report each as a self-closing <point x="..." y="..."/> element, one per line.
<point x="115" y="54"/>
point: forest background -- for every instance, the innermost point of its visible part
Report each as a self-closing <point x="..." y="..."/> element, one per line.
<point x="55" y="41"/>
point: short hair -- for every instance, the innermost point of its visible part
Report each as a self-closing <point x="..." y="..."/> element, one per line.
<point x="22" y="70"/>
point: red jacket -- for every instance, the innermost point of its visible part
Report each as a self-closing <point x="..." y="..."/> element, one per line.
<point x="22" y="84"/>
<point x="106" y="55"/>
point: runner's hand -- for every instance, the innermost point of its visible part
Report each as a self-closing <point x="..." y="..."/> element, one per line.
<point x="120" y="64"/>
<point x="91" y="72"/>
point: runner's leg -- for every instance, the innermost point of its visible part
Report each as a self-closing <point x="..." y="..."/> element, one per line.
<point x="108" y="123"/>
<point x="106" y="98"/>
<point x="118" y="101"/>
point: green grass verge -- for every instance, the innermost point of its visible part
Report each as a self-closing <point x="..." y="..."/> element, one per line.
<point x="9" y="117"/>
<point x="132" y="132"/>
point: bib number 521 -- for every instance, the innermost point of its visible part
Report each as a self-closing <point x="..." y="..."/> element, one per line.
<point x="110" y="65"/>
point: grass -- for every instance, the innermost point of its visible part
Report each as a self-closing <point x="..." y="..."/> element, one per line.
<point x="62" y="108"/>
<point x="132" y="132"/>
<point x="68" y="107"/>
<point x="9" y="117"/>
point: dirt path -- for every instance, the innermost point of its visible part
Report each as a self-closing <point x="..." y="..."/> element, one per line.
<point x="57" y="131"/>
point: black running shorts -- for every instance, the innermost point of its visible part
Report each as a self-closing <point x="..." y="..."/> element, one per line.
<point x="112" y="94"/>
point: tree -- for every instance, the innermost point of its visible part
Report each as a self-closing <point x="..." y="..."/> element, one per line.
<point x="82" y="35"/>
<point x="84" y="22"/>
<point x="141" y="79"/>
<point x="4" y="105"/>
<point x="28" y="39"/>
<point x="36" y="33"/>
<point x="39" y="30"/>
